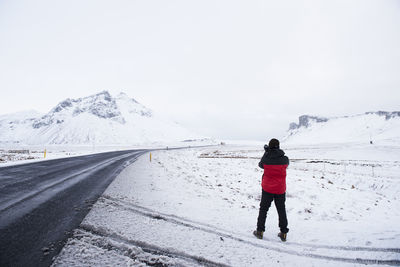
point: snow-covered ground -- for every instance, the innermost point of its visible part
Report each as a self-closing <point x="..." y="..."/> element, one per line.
<point x="199" y="207"/>
<point x="20" y="155"/>
<point x="13" y="155"/>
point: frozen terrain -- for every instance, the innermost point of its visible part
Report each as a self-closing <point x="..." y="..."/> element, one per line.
<point x="27" y="154"/>
<point x="380" y="127"/>
<point x="100" y="119"/>
<point x="20" y="154"/>
<point x="199" y="207"/>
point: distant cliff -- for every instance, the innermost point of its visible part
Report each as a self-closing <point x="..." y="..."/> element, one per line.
<point x="305" y="120"/>
<point x="370" y="127"/>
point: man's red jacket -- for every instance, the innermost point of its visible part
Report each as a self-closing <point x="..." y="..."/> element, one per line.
<point x="274" y="162"/>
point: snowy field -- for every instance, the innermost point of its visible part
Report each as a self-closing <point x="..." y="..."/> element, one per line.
<point x="14" y="155"/>
<point x="194" y="207"/>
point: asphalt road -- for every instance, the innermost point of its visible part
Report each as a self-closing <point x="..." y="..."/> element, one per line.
<point x="41" y="203"/>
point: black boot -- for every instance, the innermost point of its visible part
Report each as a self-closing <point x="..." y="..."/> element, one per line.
<point x="282" y="236"/>
<point x="258" y="234"/>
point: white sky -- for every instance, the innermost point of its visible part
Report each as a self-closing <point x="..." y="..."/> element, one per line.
<point x="228" y="69"/>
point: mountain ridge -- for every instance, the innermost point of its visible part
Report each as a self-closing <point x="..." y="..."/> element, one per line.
<point x="96" y="119"/>
<point x="370" y="127"/>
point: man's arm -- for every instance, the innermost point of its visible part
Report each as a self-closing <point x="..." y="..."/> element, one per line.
<point x="261" y="163"/>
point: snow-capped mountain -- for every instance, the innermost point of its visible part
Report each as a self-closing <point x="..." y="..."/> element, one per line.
<point x="96" y="119"/>
<point x="379" y="127"/>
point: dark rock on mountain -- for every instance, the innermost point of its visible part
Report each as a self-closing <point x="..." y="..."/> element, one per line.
<point x="304" y="121"/>
<point x="388" y="115"/>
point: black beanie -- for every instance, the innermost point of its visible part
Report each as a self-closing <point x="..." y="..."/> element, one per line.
<point x="273" y="143"/>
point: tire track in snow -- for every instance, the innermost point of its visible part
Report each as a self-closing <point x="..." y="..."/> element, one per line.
<point x="159" y="215"/>
<point x="149" y="248"/>
<point x="127" y="250"/>
<point x="213" y="230"/>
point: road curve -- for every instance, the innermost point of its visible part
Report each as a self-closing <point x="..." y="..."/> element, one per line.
<point x="41" y="203"/>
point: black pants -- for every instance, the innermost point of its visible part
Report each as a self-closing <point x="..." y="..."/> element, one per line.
<point x="266" y="200"/>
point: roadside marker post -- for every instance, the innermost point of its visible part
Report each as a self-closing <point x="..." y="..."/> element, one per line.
<point x="45" y="153"/>
<point x="150" y="156"/>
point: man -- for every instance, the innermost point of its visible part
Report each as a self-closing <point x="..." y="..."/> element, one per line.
<point x="274" y="162"/>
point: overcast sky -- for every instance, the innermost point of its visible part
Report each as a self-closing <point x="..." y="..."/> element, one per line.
<point x="228" y="69"/>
